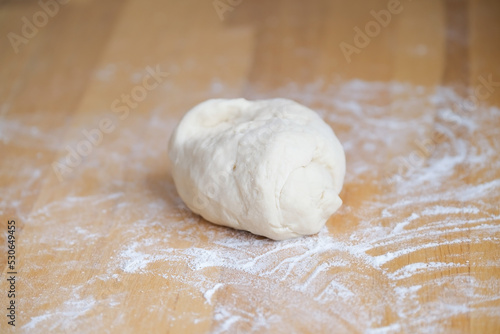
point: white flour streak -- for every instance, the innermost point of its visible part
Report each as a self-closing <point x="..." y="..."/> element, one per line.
<point x="381" y="260"/>
<point x="209" y="293"/>
<point x="133" y="260"/>
<point x="394" y="328"/>
<point x="423" y="268"/>
<point x="334" y="289"/>
<point x="401" y="226"/>
<point x="226" y="320"/>
<point x="442" y="210"/>
<point x="64" y="317"/>
<point x="320" y="269"/>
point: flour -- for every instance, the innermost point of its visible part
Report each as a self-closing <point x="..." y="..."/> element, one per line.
<point x="423" y="268"/>
<point x="442" y="210"/>
<point x="209" y="293"/>
<point x="348" y="278"/>
<point x="65" y="316"/>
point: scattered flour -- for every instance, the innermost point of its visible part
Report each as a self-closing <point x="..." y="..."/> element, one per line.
<point x="209" y="293"/>
<point x="353" y="275"/>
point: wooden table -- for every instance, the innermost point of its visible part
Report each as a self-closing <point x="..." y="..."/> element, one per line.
<point x="91" y="90"/>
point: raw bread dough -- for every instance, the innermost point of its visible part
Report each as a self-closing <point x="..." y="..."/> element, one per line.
<point x="271" y="167"/>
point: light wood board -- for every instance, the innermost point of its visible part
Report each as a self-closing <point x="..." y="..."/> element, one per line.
<point x="105" y="245"/>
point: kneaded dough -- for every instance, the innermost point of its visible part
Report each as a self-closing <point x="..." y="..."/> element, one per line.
<point x="271" y="167"/>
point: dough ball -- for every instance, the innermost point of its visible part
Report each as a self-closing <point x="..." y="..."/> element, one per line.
<point x="271" y="167"/>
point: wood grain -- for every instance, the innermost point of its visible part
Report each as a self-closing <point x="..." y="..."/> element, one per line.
<point x="107" y="245"/>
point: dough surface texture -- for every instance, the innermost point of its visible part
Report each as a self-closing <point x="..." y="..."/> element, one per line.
<point x="272" y="167"/>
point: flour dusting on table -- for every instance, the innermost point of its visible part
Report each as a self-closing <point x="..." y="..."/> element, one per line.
<point x="349" y="278"/>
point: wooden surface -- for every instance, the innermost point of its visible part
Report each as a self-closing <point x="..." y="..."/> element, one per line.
<point x="106" y="245"/>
